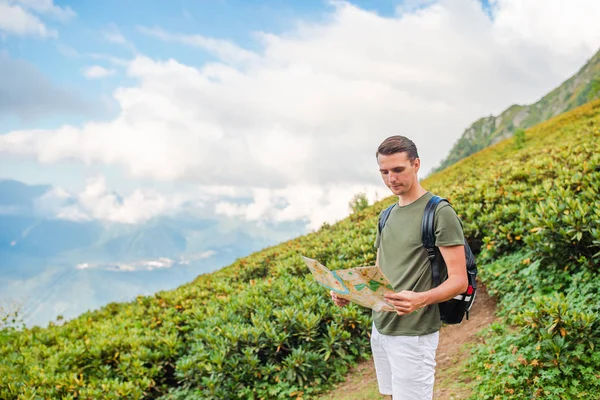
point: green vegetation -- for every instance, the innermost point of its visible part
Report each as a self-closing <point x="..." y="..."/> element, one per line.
<point x="10" y="320"/>
<point x="552" y="353"/>
<point x="261" y="328"/>
<point x="519" y="138"/>
<point x="534" y="214"/>
<point x="358" y="203"/>
<point x="10" y="317"/>
<point x="593" y="89"/>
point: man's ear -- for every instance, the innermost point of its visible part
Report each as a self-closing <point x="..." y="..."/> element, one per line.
<point x="417" y="164"/>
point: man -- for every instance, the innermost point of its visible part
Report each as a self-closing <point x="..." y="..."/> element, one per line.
<point x="404" y="342"/>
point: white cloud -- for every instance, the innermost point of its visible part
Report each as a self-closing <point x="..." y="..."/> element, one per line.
<point x="119" y="62"/>
<point x="67" y="50"/>
<point x="15" y="20"/>
<point x="311" y="202"/>
<point x="98" y="202"/>
<point x="97" y="71"/>
<point x="224" y="49"/>
<point x="112" y="34"/>
<point x="47" y="7"/>
<point x="22" y="17"/>
<point x="548" y="23"/>
<point x="102" y="204"/>
<point x="305" y="114"/>
<point x="412" y="6"/>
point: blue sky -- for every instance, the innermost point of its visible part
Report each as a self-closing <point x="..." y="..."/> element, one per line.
<point x="279" y="102"/>
<point x="62" y="60"/>
<point x="85" y="38"/>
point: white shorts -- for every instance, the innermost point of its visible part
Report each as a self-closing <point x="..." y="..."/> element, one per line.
<point x="405" y="365"/>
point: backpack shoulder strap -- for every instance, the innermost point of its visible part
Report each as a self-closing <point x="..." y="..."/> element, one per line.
<point x="428" y="223"/>
<point x="384" y="217"/>
<point x="428" y="236"/>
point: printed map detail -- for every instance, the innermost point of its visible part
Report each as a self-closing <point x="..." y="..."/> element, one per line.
<point x="362" y="285"/>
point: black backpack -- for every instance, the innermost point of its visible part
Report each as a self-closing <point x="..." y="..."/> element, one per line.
<point x="451" y="311"/>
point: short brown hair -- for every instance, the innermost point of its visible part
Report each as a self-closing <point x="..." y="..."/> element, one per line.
<point x="398" y="144"/>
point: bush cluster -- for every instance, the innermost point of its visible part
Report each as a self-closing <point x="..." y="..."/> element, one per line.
<point x="547" y="345"/>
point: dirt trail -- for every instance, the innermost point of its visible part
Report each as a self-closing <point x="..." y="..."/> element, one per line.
<point x="452" y="353"/>
<point x="453" y="348"/>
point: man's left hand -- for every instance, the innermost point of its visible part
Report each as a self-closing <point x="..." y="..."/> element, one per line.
<point x="406" y="301"/>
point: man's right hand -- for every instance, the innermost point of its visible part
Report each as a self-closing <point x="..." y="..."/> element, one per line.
<point x="339" y="301"/>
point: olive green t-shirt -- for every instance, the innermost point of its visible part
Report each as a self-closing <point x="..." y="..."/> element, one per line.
<point x="403" y="260"/>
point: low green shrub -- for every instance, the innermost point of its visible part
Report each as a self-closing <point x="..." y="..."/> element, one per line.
<point x="550" y="353"/>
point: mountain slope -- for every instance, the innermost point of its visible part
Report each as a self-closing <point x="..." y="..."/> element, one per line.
<point x="582" y="87"/>
<point x="262" y="328"/>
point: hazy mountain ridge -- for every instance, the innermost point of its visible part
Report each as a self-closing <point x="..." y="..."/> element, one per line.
<point x="581" y="88"/>
<point x="57" y="266"/>
<point x="26" y="231"/>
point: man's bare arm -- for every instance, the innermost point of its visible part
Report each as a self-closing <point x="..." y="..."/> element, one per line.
<point x="407" y="301"/>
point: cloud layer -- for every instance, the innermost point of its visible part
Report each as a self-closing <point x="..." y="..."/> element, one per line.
<point x="24" y="17"/>
<point x="97" y="202"/>
<point x="298" y="122"/>
<point x="26" y="93"/>
<point x="97" y="72"/>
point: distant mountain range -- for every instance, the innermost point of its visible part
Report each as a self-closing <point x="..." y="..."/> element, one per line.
<point x="582" y="87"/>
<point x="24" y="230"/>
<point x="56" y="266"/>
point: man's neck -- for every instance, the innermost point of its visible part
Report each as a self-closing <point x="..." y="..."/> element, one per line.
<point x="415" y="193"/>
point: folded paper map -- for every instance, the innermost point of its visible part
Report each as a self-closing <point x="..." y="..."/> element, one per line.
<point x="362" y="285"/>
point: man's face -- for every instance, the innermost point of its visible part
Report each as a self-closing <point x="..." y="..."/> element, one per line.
<point x="397" y="172"/>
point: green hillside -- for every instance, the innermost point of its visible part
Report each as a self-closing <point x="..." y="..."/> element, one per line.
<point x="260" y="328"/>
<point x="582" y="87"/>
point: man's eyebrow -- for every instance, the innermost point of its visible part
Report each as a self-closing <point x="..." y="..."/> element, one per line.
<point x="393" y="168"/>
